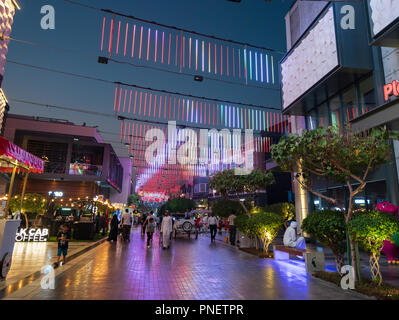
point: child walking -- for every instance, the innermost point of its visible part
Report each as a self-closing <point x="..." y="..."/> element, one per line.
<point x="63" y="237"/>
<point x="151" y="225"/>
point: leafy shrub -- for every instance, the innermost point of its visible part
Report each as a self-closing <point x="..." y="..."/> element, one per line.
<point x="33" y="203"/>
<point x="261" y="224"/>
<point x="370" y="229"/>
<point x="285" y="209"/>
<point x="329" y="228"/>
<point x="224" y="207"/>
<point x="266" y="226"/>
<point x="179" y="205"/>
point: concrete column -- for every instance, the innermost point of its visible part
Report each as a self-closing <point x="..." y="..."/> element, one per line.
<point x="298" y="124"/>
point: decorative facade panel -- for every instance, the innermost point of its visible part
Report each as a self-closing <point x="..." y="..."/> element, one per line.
<point x="314" y="57"/>
<point x="383" y="12"/>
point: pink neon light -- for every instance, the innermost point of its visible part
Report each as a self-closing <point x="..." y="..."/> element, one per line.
<point x="221" y="60"/>
<point x="177" y="41"/>
<point x="164" y="115"/>
<point x="178" y="110"/>
<point x="141" y="95"/>
<point x="160" y="106"/>
<point x="127" y="28"/>
<point x="148" y="43"/>
<point x="124" y="101"/>
<point x="184" y="45"/>
<point x="170" y="101"/>
<point x="227" y="49"/>
<point x="130" y="101"/>
<point x="135" y="102"/>
<point x="189" y="54"/>
<point x="149" y="109"/>
<point x="121" y="130"/>
<point x="156" y="45"/>
<point x="234" y="65"/>
<point x="141" y="41"/>
<point x="216" y="68"/>
<point x="116" y="98"/>
<point x="170" y="41"/>
<point x="239" y="63"/>
<point x="145" y="103"/>
<point x="134" y="37"/>
<point x="163" y="41"/>
<point x="102" y="36"/>
<point x="155" y="103"/>
<point x="120" y="98"/>
<point x="117" y="42"/>
<point x="174" y="108"/>
<point x="111" y="35"/>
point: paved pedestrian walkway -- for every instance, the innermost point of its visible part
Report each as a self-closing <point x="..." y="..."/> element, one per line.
<point x="30" y="257"/>
<point x="191" y="269"/>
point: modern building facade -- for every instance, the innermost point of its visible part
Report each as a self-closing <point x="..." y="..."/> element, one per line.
<point x="78" y="163"/>
<point x="341" y="58"/>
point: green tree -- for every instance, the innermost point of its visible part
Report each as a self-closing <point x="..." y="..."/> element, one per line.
<point x="135" y="199"/>
<point x="328" y="154"/>
<point x="329" y="228"/>
<point x="227" y="182"/>
<point x="285" y="209"/>
<point x="370" y="229"/>
<point x="266" y="226"/>
<point x="179" y="205"/>
<point x="33" y="205"/>
<point x="261" y="224"/>
<point x="224" y="207"/>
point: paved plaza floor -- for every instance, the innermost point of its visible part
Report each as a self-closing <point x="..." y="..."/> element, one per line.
<point x="191" y="269"/>
<point x="31" y="257"/>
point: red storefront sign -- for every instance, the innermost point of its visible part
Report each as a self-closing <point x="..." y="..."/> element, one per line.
<point x="11" y="150"/>
<point x="391" y="89"/>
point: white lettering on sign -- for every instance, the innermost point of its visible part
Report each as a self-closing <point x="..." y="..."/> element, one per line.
<point x="56" y="193"/>
<point x="34" y="235"/>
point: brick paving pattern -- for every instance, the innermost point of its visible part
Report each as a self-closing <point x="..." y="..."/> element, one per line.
<point x="191" y="269"/>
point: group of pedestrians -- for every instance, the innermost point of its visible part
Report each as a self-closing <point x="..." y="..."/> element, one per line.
<point x="213" y="224"/>
<point x="150" y="223"/>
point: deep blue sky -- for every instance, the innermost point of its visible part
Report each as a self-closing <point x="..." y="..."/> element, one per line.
<point x="252" y="21"/>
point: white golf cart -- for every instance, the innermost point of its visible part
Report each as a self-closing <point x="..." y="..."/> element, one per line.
<point x="181" y="225"/>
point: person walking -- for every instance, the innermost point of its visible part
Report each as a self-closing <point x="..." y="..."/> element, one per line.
<point x="151" y="225"/>
<point x="166" y="230"/>
<point x="113" y="233"/>
<point x="126" y="222"/>
<point x="232" y="229"/>
<point x="143" y="223"/>
<point x="63" y="237"/>
<point x="213" y="225"/>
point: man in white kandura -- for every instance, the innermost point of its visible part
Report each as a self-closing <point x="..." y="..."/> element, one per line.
<point x="290" y="237"/>
<point x="166" y="230"/>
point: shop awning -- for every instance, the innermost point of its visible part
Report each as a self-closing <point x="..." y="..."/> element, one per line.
<point x="11" y="155"/>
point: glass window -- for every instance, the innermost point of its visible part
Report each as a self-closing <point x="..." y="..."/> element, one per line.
<point x="376" y="192"/>
<point x="323" y="116"/>
<point x="311" y="120"/>
<point x="350" y="104"/>
<point x="335" y="111"/>
<point x="86" y="160"/>
<point x="367" y="96"/>
<point x="53" y="153"/>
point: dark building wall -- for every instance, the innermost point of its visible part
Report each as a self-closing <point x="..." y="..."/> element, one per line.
<point x="71" y="189"/>
<point x="279" y="191"/>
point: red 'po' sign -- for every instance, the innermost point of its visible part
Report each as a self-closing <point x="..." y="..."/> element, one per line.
<point x="391" y="89"/>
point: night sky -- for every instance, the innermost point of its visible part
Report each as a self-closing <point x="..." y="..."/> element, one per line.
<point x="252" y="21"/>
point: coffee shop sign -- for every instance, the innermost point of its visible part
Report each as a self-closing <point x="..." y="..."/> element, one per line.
<point x="34" y="235"/>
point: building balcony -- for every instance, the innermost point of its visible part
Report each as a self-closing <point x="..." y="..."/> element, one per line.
<point x="325" y="59"/>
<point x="384" y="22"/>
